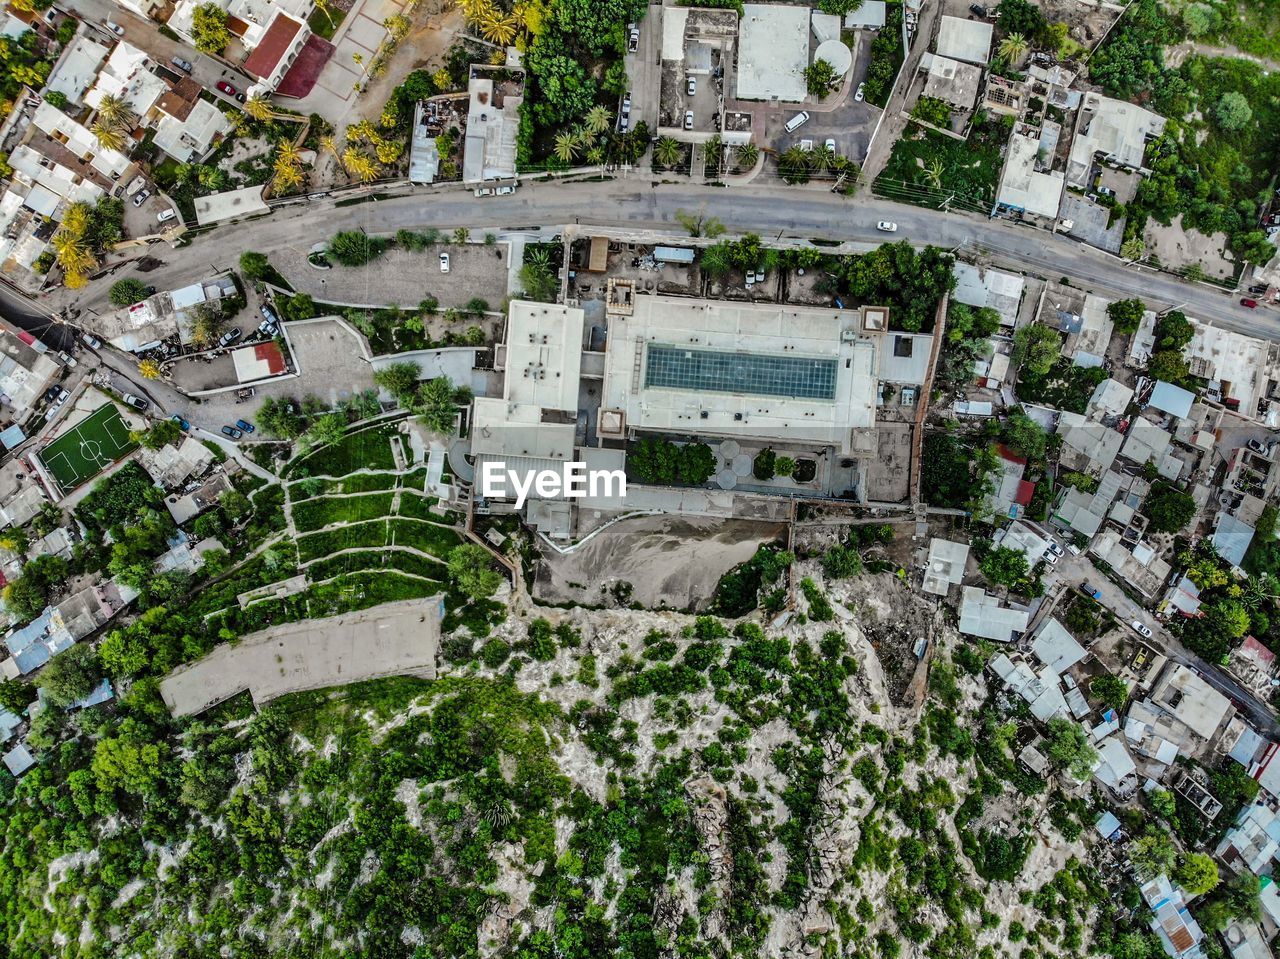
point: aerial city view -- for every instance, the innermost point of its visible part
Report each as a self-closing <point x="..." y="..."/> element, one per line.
<point x="686" y="479"/>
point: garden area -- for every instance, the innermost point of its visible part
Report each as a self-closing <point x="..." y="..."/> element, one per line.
<point x="929" y="168"/>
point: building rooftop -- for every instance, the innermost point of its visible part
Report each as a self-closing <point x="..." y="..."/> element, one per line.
<point x="982" y="615"/>
<point x="951" y="80"/>
<point x="75" y="72"/>
<point x="229" y="205"/>
<point x="985" y="287"/>
<point x="265" y="59"/>
<point x="126" y="75"/>
<point x="493" y="125"/>
<point x="968" y="40"/>
<point x="19" y="759"/>
<point x="1117" y="129"/>
<point x="1231" y="538"/>
<point x="1182" y="694"/>
<point x="945" y="566"/>
<point x="1171" y="399"/>
<point x="870" y="13"/>
<point x="773" y="52"/>
<point x="193" y="135"/>
<point x="1057" y="648"/>
<point x="1022" y="186"/>
<point x="760" y="369"/>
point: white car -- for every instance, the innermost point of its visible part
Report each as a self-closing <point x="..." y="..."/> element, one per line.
<point x="860" y="94"/>
<point x="1055" y="549"/>
<point x="887" y="227"/>
<point x="1141" y="629"/>
<point x="829" y="145"/>
<point x="164" y="216"/>
<point x="688" y="119"/>
<point x="114" y="28"/>
<point x="504" y="190"/>
<point x="444" y="262"/>
<point x="693" y="86"/>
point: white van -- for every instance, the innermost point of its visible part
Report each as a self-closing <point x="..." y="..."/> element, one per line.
<point x="797" y="121"/>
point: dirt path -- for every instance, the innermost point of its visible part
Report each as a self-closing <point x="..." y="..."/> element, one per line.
<point x="1176" y="56"/>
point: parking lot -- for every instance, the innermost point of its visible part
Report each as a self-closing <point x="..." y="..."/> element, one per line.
<point x="141" y="220"/>
<point x="404" y="278"/>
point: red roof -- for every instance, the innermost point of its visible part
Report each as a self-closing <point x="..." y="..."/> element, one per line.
<point x="1259" y="652"/>
<point x="1026" y="489"/>
<point x="1010" y="455"/>
<point x="270" y="354"/>
<point x="266" y="55"/>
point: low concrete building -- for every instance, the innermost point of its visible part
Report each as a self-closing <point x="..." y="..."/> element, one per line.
<point x="1113" y="131"/>
<point x="1056" y="648"/>
<point x="1025" y="185"/>
<point x="968" y="40"/>
<point x="493" y="124"/>
<point x="945" y="565"/>
<point x="982" y="614"/>
<point x="1171" y="921"/>
<point x="987" y="287"/>
<point x="1183" y="695"/>
<point x="171" y="466"/>
<point x="773" y="52"/>
<point x="230" y="205"/>
<point x="951" y="81"/>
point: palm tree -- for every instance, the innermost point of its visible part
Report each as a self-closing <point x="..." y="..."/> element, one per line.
<point x="747" y="156"/>
<point x="595" y="156"/>
<point x="287" y="153"/>
<point x="598" y="119"/>
<point x="933" y="173"/>
<point x="474" y="10"/>
<point x="668" y="151"/>
<point x="359" y="166"/>
<point x="822" y="160"/>
<point x="211" y="177"/>
<point x="109" y="137"/>
<point x="538" y="257"/>
<point x="566" y="147"/>
<point x="497" y="27"/>
<point x="114" y="112"/>
<point x="258" y="107"/>
<point x="286" y="177"/>
<point x="388" y="151"/>
<point x="1013" y="48"/>
<point x="328" y="143"/>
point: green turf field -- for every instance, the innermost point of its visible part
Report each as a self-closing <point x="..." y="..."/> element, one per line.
<point x="88" y="448"/>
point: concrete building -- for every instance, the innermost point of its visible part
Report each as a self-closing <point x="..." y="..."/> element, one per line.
<point x="26" y="372"/>
<point x="127" y="76"/>
<point x="230" y="205"/>
<point x="1253" y="843"/>
<point x="171" y="466"/>
<point x="987" y="287"/>
<point x="981" y="614"/>
<point x="1231" y="538"/>
<point x="698" y="46"/>
<point x="1183" y="695"/>
<point x="188" y="127"/>
<point x="740" y="369"/>
<point x="76" y="69"/>
<point x="424" y="156"/>
<point x="950" y="80"/>
<point x="1171" y="921"/>
<point x="945" y="566"/>
<point x="968" y="40"/>
<point x="80" y="142"/>
<point x="1056" y="648"/>
<point x="1042" y="693"/>
<point x="271" y="32"/>
<point x="493" y="124"/>
<point x="1111" y="131"/>
<point x="1026" y="186"/>
<point x="162" y="316"/>
<point x="773" y="53"/>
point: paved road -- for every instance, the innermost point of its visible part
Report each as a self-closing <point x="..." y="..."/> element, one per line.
<point x="1073" y="570"/>
<point x="638" y="203"/>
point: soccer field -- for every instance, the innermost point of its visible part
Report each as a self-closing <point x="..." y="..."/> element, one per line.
<point x="88" y="448"/>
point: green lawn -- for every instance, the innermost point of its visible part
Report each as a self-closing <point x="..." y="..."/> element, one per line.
<point x="384" y="560"/>
<point x="325" y="22"/>
<point x="367" y="449"/>
<point x="439" y="541"/>
<point x="312" y="514"/>
<point x="428" y="537"/>
<point x="417" y="505"/>
<point x="356" y="483"/>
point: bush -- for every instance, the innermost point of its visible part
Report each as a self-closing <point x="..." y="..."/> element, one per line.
<point x="356" y="248"/>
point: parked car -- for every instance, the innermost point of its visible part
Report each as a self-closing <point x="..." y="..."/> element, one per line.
<point x="797" y="121"/>
<point x="829" y="145"/>
<point x="693" y="86"/>
<point x="1055" y="549"/>
<point x="860" y="94"/>
<point x="1050" y="559"/>
<point x="91" y="341"/>
<point x="164" y="216"/>
<point x="114" y="27"/>
<point x="136" y="184"/>
<point x="1251" y="304"/>
<point x="633" y="41"/>
<point x="268" y="329"/>
<point x="137" y="402"/>
<point x="224" y="87"/>
<point x="229" y="337"/>
<point x="444" y="262"/>
<point x="887" y="226"/>
<point x="484" y="191"/>
<point x="1142" y="629"/>
<point x="62" y="395"/>
<point x="67" y="359"/>
<point x="1090" y="591"/>
<point x="182" y="424"/>
<point x="244" y="425"/>
<point x="506" y="190"/>
<point x="183" y="65"/>
<point x="978" y="10"/>
<point x="688" y="119"/>
<point x="141" y="198"/>
<point x="231" y="431"/>
<point x="626" y="102"/>
<point x="270" y="314"/>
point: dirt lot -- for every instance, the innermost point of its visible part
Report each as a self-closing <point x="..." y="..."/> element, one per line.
<point x="1177" y="247"/>
<point x="669" y="561"/>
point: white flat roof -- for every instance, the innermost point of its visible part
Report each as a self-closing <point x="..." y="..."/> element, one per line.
<point x="968" y="40"/>
<point x="1057" y="648"/>
<point x="773" y="52"/>
<point x="1025" y="188"/>
<point x="759" y="369"/>
<point x="230" y="204"/>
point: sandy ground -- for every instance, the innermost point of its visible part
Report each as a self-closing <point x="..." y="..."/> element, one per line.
<point x="668" y="560"/>
<point x="1178" y="247"/>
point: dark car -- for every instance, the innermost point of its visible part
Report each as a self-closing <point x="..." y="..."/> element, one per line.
<point x="231" y="431"/>
<point x="978" y="10"/>
<point x="244" y="425"/>
<point x="1251" y="304"/>
<point x="182" y="424"/>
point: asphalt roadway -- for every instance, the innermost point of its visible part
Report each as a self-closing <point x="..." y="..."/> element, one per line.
<point x="769" y="209"/>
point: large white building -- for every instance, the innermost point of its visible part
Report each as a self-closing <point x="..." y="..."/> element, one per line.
<point x="760" y="370"/>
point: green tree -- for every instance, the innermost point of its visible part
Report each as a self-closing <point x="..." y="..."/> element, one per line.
<point x="1005" y="566"/>
<point x="1036" y="348"/>
<point x="162" y="433"/>
<point x="668" y="152"/>
<point x="400" y="380"/>
<point x="1233" y="111"/>
<point x="820" y="77"/>
<point x="254" y="266"/>
<point x="1168" y="508"/>
<point x="1173" y="331"/>
<point x="1126" y="315"/>
<point x="471" y="571"/>
<point x="1197" y="873"/>
<point x="437" y="404"/>
<point x="209" y="28"/>
<point x="1069" y="747"/>
<point x="1168" y="365"/>
<point x="841" y="562"/>
<point x="71" y="675"/>
<point x="1111" y="690"/>
<point x="1024" y="435"/>
<point x="16" y="695"/>
<point x="1152" y="854"/>
<point x="355" y="247"/>
<point x="126" y="292"/>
